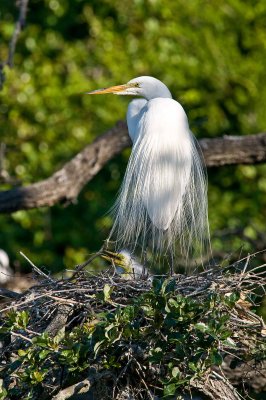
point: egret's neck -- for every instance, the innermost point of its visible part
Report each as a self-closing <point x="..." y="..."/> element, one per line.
<point x="134" y="114"/>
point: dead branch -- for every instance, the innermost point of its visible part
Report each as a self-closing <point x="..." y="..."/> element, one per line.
<point x="65" y="184"/>
<point x="10" y="294"/>
<point x="83" y="386"/>
<point x="216" y="388"/>
<point x="20" y="24"/>
<point x="59" y="321"/>
<point x="232" y="150"/>
<point x="23" y="4"/>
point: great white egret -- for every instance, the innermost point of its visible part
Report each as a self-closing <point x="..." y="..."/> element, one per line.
<point x="163" y="198"/>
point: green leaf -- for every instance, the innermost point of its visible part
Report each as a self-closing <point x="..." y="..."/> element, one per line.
<point x="3" y="392"/>
<point x="169" y="390"/>
<point x="108" y="330"/>
<point x="107" y="291"/>
<point x="176" y="337"/>
<point x="173" y="303"/>
<point x="156" y="355"/>
<point x="24" y="318"/>
<point x="229" y="342"/>
<point x="97" y="346"/>
<point x="22" y="353"/>
<point x="192" y="366"/>
<point x="232" y="298"/>
<point x="170" y="286"/>
<point x="167" y="309"/>
<point x="225" y="334"/>
<point x="175" y="372"/>
<point x="200" y="326"/>
<point x="157" y="285"/>
<point x="216" y="358"/>
<point x="128" y="313"/>
<point x="37" y="376"/>
<point x="42" y="340"/>
<point x="44" y="353"/>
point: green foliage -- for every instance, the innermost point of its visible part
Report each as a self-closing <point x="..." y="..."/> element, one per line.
<point x="178" y="337"/>
<point x="210" y="54"/>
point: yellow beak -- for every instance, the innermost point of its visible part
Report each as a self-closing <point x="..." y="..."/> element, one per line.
<point x="110" y="256"/>
<point x="112" y="89"/>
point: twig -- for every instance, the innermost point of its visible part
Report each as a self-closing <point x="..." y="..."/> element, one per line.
<point x="63" y="300"/>
<point x="21" y="336"/>
<point x="151" y="397"/>
<point x="40" y="272"/>
<point x="80" y="267"/>
<point x="23" y="303"/>
<point x="20" y="24"/>
<point x="9" y="294"/>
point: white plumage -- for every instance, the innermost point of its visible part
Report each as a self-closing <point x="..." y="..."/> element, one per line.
<point x="6" y="272"/>
<point x="163" y="198"/>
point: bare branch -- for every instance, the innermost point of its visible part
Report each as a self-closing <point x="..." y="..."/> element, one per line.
<point x="232" y="150"/>
<point x="83" y="386"/>
<point x="65" y="184"/>
<point x="10" y="294"/>
<point x="36" y="269"/>
<point x="216" y="388"/>
<point x="20" y="24"/>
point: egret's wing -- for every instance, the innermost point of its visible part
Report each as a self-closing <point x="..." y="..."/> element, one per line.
<point x="167" y="161"/>
<point x="163" y="195"/>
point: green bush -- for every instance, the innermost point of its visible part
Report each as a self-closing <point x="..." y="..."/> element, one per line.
<point x="162" y="336"/>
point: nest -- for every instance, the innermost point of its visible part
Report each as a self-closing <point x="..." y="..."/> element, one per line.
<point x="69" y="336"/>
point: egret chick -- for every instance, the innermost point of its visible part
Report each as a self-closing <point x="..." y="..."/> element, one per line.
<point x="126" y="265"/>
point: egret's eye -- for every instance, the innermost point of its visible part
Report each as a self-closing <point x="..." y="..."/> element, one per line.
<point x="136" y="84"/>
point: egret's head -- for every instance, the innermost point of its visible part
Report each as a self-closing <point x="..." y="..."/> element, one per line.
<point x="144" y="86"/>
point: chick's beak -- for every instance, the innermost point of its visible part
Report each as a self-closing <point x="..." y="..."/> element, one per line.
<point x="113" y="89"/>
<point x="110" y="256"/>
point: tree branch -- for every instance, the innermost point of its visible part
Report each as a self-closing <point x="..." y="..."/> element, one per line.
<point x="232" y="150"/>
<point x="20" y="24"/>
<point x="217" y="388"/>
<point x="83" y="386"/>
<point x="65" y="184"/>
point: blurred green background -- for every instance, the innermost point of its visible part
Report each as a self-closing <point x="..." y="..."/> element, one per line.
<point x="212" y="56"/>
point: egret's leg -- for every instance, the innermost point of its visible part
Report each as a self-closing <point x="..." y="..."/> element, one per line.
<point x="172" y="261"/>
<point x="145" y="258"/>
<point x="144" y="271"/>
